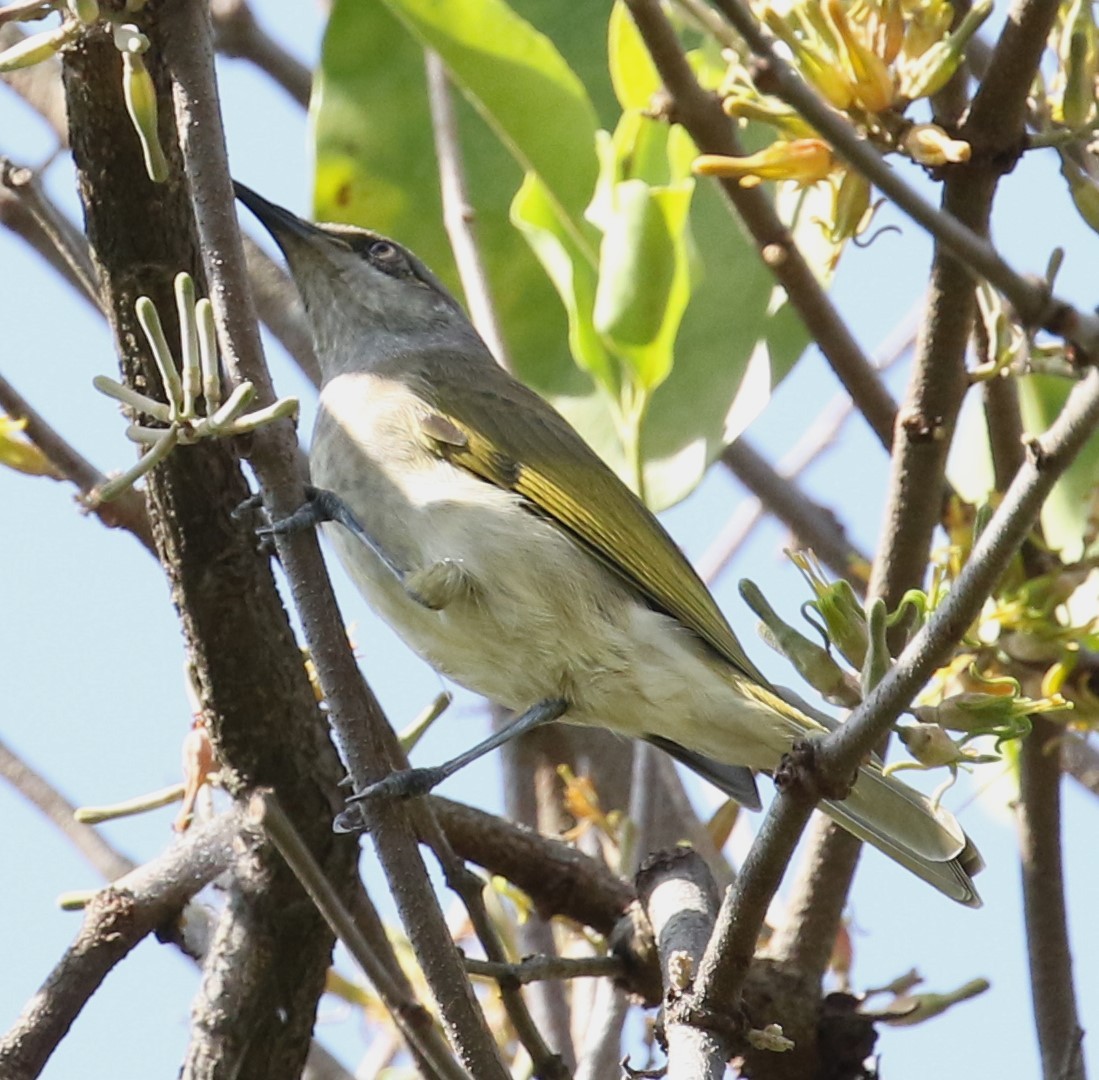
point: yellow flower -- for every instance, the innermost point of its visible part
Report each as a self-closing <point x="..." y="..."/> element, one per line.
<point x="869" y="73"/>
<point x="804" y="161"/>
<point x="19" y="454"/>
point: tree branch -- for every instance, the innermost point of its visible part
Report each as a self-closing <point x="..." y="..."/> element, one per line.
<point x="117" y="918"/>
<point x="725" y="966"/>
<point x="108" y="862"/>
<point x="354" y="712"/>
<point x="53" y="229"/>
<point x="257" y="700"/>
<point x="1047" y="458"/>
<point x="126" y="512"/>
<point x="410" y="1017"/>
<point x="813" y="525"/>
<point x="458" y="215"/>
<point x="679" y="896"/>
<point x="545" y="1062"/>
<point x="539" y="968"/>
<point x="1060" y="1036"/>
<point x="559" y="879"/>
<point x="237" y="33"/>
<point x="819" y="437"/>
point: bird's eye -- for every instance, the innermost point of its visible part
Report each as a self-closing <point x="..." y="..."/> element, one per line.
<point x="383" y="250"/>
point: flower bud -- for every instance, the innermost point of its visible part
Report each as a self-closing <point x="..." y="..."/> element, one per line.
<point x="814" y="67"/>
<point x="812" y="662"/>
<point x="852" y="205"/>
<point x="804" y="161"/>
<point x="141" y="104"/>
<point x="839" y="607"/>
<point x="929" y="744"/>
<point x="877" y="661"/>
<point x="928" y="144"/>
<point x="37" y="47"/>
<point x="1080" y="66"/>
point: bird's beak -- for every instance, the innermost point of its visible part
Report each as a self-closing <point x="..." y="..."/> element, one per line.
<point x="280" y="223"/>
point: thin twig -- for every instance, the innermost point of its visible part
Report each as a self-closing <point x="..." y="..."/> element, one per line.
<point x="531" y="798"/>
<point x="545" y="1063"/>
<point x="458" y="214"/>
<point x="1005" y="429"/>
<point x="117" y="918"/>
<point x="537" y="968"/>
<point x="559" y="879"/>
<point x="410" y="1017"/>
<point x="818" y="438"/>
<point x="814" y="525"/>
<point x="600" y="1049"/>
<point x="126" y="512"/>
<point x="237" y="33"/>
<point x="354" y="712"/>
<point x="41" y="793"/>
<point x="701" y="114"/>
<point x="17" y="217"/>
<point x="1080" y="760"/>
<point x="1016" y="60"/>
<point x="1039" y="815"/>
<point x="67" y="241"/>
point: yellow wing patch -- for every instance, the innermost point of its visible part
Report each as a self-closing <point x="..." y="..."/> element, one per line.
<point x="602" y="513"/>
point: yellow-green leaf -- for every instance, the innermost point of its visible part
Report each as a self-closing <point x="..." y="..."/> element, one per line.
<point x="19" y="454"/>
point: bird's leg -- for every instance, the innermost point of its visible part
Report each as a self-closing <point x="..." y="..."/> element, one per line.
<point x="433" y="586"/>
<point x="409" y="783"/>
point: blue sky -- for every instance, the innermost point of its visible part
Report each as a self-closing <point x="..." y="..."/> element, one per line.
<point x="93" y="659"/>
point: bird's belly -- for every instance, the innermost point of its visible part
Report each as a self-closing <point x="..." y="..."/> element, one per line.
<point x="537" y="620"/>
<point x="550" y="622"/>
<point x="542" y="618"/>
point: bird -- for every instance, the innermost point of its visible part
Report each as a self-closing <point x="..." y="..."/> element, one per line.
<point x="504" y="551"/>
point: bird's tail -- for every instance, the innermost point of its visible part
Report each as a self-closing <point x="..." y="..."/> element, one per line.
<point x="902" y="823"/>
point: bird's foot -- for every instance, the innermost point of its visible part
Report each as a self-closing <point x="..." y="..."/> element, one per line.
<point x="404" y="784"/>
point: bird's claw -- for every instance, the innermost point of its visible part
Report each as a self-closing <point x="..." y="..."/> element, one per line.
<point x="405" y="784"/>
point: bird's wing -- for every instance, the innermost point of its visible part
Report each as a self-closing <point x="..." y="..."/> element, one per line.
<point x="563" y="479"/>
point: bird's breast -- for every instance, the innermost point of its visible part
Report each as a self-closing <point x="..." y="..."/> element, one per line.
<point x="539" y="615"/>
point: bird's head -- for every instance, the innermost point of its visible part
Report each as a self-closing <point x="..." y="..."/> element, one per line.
<point x="368" y="299"/>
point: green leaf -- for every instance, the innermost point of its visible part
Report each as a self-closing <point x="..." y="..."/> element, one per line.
<point x="524" y="89"/>
<point x="1067" y="511"/>
<point x="644" y="280"/>
<point x="633" y="74"/>
<point x="1070" y="505"/>
<point x="533" y="214"/>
